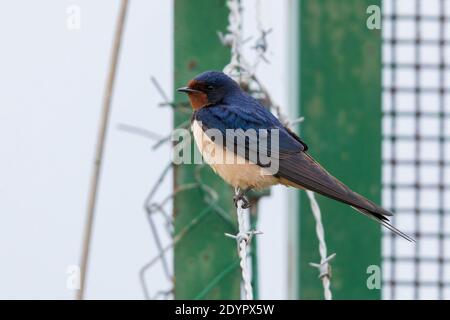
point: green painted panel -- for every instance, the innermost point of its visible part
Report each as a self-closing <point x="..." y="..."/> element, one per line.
<point x="340" y="98"/>
<point x="205" y="260"/>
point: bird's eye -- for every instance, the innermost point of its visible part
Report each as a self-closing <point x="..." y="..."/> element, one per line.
<point x="210" y="87"/>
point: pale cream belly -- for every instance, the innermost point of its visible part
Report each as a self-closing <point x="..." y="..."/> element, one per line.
<point x="234" y="169"/>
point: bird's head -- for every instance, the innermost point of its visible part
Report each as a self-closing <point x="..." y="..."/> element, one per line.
<point x="208" y="88"/>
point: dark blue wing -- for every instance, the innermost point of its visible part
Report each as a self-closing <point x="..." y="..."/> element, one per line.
<point x="250" y="117"/>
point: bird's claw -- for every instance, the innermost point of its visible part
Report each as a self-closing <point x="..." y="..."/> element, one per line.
<point x="245" y="202"/>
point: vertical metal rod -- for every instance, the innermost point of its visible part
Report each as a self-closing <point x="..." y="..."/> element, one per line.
<point x="104" y="119"/>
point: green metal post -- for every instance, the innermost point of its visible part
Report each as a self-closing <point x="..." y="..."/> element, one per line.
<point x="339" y="67"/>
<point x="206" y="262"/>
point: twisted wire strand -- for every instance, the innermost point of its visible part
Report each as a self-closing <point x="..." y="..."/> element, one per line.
<point x="323" y="266"/>
<point x="243" y="239"/>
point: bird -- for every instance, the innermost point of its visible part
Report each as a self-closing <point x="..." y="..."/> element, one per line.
<point x="221" y="108"/>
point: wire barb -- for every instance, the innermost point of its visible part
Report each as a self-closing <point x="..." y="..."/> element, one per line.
<point x="324" y="266"/>
<point x="243" y="239"/>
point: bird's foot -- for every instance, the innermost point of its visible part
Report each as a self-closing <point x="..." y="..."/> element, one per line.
<point x="240" y="196"/>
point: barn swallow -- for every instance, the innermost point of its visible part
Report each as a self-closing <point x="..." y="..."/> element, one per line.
<point x="220" y="104"/>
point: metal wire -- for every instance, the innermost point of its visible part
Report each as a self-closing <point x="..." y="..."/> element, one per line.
<point x="243" y="239"/>
<point x="238" y="69"/>
<point x="323" y="266"/>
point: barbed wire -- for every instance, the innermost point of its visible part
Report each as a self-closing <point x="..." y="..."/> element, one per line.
<point x="239" y="69"/>
<point x="324" y="265"/>
<point x="245" y="73"/>
<point x="243" y="239"/>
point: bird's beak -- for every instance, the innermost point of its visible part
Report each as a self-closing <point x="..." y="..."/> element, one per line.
<point x="187" y="90"/>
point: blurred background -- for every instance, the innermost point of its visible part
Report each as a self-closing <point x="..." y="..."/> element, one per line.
<point x="387" y="89"/>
